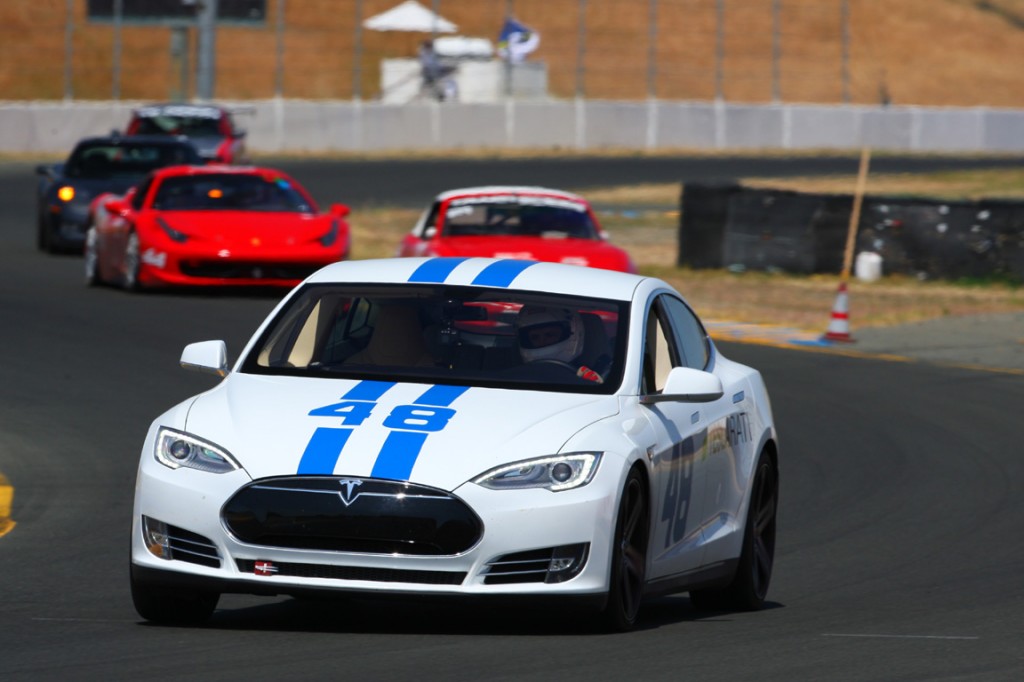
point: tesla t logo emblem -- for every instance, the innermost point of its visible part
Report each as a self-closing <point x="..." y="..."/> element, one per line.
<point x="264" y="568"/>
<point x="348" y="492"/>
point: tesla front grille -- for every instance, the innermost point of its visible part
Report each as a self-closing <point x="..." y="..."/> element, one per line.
<point x="240" y="270"/>
<point x="379" y="575"/>
<point x="361" y="515"/>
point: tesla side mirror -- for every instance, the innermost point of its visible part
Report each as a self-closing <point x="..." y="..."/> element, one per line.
<point x="688" y="385"/>
<point x="49" y="169"/>
<point x="340" y="210"/>
<point x="206" y="356"/>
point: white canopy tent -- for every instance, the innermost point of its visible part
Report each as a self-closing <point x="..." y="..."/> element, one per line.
<point x="410" y="16"/>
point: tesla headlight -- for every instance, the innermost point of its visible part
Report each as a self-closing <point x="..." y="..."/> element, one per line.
<point x="556" y="472"/>
<point x="176" y="449"/>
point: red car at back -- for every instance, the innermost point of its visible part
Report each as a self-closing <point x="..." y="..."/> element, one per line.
<point x="527" y="223"/>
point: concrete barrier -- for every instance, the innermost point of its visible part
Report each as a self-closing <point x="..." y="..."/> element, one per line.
<point x="353" y="126"/>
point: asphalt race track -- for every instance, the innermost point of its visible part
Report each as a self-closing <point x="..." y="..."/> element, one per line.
<point x="900" y="530"/>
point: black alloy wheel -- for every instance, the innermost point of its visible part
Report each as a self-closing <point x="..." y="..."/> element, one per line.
<point x="629" y="556"/>
<point x="749" y="587"/>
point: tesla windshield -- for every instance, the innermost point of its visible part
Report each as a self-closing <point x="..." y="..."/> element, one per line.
<point x="444" y="334"/>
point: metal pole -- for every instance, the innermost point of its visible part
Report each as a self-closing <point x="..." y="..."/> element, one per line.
<point x="115" y="87"/>
<point x="509" y="9"/>
<point x="581" y="48"/>
<point x="652" y="49"/>
<point x="206" y="63"/>
<point x="776" y="51"/>
<point x="437" y="13"/>
<point x="357" y="66"/>
<point x="279" y="58"/>
<point x="179" y="58"/>
<point x="69" y="50"/>
<point x="719" y="49"/>
<point x="845" y="28"/>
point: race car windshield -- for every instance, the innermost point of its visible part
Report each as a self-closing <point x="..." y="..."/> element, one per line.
<point x="113" y="160"/>
<point x="230" y="192"/>
<point x="519" y="216"/>
<point x="190" y="126"/>
<point x="441" y="334"/>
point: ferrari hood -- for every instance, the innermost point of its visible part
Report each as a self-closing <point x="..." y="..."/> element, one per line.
<point x="435" y="435"/>
<point x="589" y="252"/>
<point x="231" y="228"/>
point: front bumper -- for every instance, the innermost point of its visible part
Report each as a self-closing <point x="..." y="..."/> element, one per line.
<point x="519" y="526"/>
<point x="161" y="266"/>
<point x="66" y="225"/>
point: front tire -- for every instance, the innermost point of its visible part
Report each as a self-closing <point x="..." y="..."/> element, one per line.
<point x="749" y="587"/>
<point x="172" y="605"/>
<point x="131" y="263"/>
<point x="91" y="258"/>
<point x="629" y="556"/>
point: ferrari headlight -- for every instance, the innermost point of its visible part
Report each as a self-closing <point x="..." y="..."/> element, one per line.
<point x="331" y="236"/>
<point x="175" y="235"/>
<point x="556" y="472"/>
<point x="176" y="449"/>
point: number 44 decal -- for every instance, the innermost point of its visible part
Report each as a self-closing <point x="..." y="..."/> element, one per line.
<point x="408" y="425"/>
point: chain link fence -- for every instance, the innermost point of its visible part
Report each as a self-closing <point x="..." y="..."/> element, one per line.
<point x="733" y="50"/>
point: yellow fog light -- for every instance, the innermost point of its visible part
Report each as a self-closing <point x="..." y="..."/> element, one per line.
<point x="66" y="193"/>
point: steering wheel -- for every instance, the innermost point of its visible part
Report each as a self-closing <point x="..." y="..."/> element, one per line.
<point x="552" y="361"/>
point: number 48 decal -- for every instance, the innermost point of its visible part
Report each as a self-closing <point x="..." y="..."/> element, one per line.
<point x="409" y="427"/>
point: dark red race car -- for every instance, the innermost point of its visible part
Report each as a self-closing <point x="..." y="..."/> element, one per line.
<point x="210" y="128"/>
<point x="212" y="226"/>
<point x="525" y="223"/>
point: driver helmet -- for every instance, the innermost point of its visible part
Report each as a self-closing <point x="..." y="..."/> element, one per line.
<point x="549" y="334"/>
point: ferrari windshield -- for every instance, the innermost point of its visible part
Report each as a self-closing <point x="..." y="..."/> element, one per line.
<point x="442" y="334"/>
<point x="518" y="215"/>
<point x="230" y="192"/>
<point x="104" y="160"/>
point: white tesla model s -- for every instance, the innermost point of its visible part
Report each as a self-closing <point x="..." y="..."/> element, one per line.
<point x="463" y="427"/>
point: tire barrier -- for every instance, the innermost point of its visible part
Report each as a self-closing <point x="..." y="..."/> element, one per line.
<point x="725" y="225"/>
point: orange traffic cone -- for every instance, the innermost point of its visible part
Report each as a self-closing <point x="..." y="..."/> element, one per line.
<point x="839" y="325"/>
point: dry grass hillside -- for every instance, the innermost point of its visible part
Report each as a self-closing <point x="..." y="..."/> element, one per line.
<point x="915" y="52"/>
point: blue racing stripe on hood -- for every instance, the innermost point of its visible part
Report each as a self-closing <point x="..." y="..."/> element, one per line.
<point x="324" y="448"/>
<point x="436" y="270"/>
<point x="402" y="447"/>
<point x="502" y="273"/>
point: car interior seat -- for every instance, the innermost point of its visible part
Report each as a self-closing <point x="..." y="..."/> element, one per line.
<point x="597" y="351"/>
<point x="397" y="340"/>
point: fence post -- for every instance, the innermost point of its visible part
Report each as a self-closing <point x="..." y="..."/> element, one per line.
<point x="279" y="51"/>
<point x="719" y="49"/>
<point x="844" y="12"/>
<point x="69" y="50"/>
<point x="581" y="49"/>
<point x="776" y="51"/>
<point x="115" y="77"/>
<point x="207" y="49"/>
<point x="357" y="61"/>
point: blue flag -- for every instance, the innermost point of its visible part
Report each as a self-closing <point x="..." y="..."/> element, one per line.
<point x="516" y="41"/>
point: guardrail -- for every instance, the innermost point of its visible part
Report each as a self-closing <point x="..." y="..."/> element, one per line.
<point x="281" y="125"/>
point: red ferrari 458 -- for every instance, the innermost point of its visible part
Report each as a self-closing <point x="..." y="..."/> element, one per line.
<point x="212" y="226"/>
<point x="528" y="223"/>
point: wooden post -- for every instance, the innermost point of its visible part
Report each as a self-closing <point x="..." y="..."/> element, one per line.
<point x="858" y="198"/>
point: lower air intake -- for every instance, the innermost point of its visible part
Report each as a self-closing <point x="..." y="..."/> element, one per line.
<point x="548" y="565"/>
